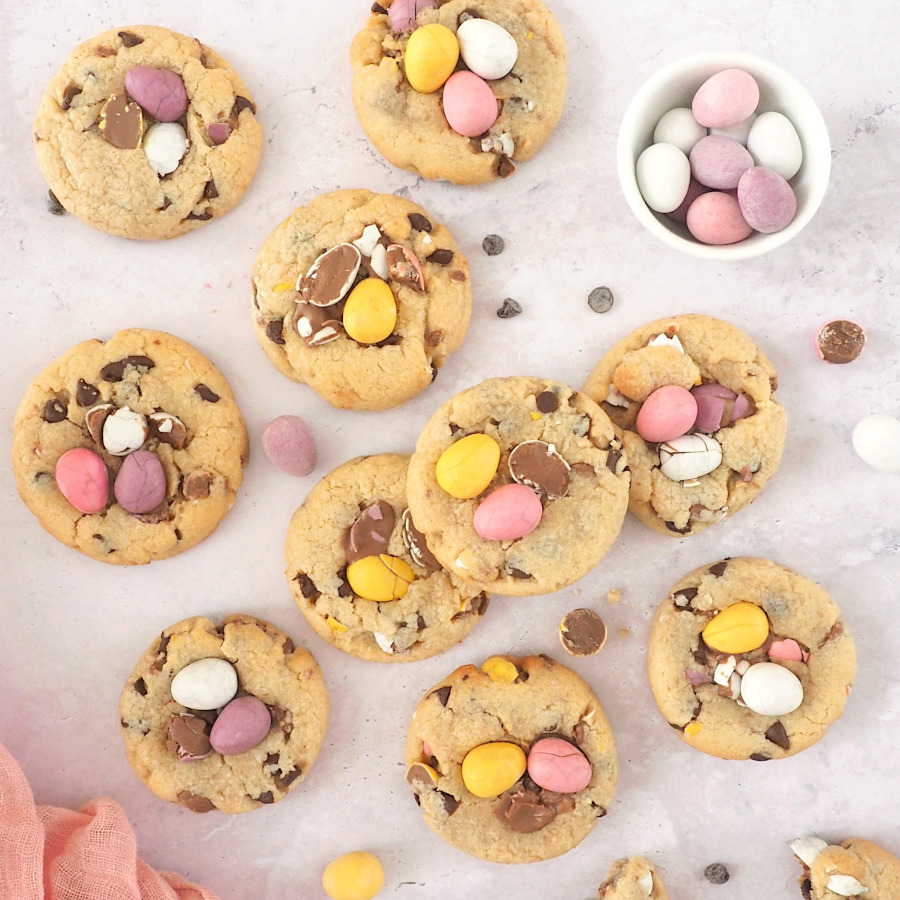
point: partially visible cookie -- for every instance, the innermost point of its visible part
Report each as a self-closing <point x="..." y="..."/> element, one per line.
<point x="145" y="403"/>
<point x="749" y="660"/>
<point x="635" y="878"/>
<point x="514" y="452"/>
<point x="145" y="133"/>
<point x="854" y="868"/>
<point x="358" y="514"/>
<point x="368" y="325"/>
<point x="171" y="744"/>
<point x="726" y="453"/>
<point x="410" y="128"/>
<point x="513" y="762"/>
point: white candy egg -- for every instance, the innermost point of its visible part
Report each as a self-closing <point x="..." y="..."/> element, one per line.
<point x="771" y="690"/>
<point x="689" y="456"/>
<point x="124" y="432"/>
<point x="165" y="144"/>
<point x="205" y="684"/>
<point x="876" y="440"/>
<point x="679" y="127"/>
<point x="663" y="176"/>
<point x="773" y="142"/>
<point x="738" y="132"/>
<point x="487" y="48"/>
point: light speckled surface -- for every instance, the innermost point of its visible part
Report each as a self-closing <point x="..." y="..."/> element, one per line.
<point x="70" y="628"/>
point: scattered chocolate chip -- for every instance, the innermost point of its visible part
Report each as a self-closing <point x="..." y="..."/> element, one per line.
<point x="195" y="802"/>
<point x="599" y="811"/>
<point x="141" y="687"/>
<point x="206" y="393"/>
<point x="451" y="804"/>
<point x="54" y="207"/>
<point x="129" y="39"/>
<point x="70" y="93"/>
<point x="505" y="167"/>
<point x="86" y="394"/>
<point x="54" y="411"/>
<point x="122" y="122"/>
<point x="840" y="341"/>
<point x="441" y="257"/>
<point x="582" y="632"/>
<point x="773" y="383"/>
<point x="265" y="797"/>
<point x="718" y="570"/>
<point x="509" y="308"/>
<point x="419" y="222"/>
<point x="420" y="622"/>
<point x="600" y="299"/>
<point x="546" y="401"/>
<point x="242" y="103"/>
<point x="493" y="245"/>
<point x="760" y="757"/>
<point x="443" y="694"/>
<point x="777" y="735"/>
<point x="205" y="216"/>
<point x="275" y="331"/>
<point x="196" y="486"/>
<point x="307" y="588"/>
<point x="716" y="873"/>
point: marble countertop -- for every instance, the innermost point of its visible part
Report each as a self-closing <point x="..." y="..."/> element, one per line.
<point x="71" y="629"/>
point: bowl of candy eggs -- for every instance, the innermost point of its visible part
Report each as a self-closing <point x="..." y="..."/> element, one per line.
<point x="723" y="155"/>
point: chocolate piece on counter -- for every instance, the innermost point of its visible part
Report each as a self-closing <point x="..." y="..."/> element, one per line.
<point x="493" y="245"/>
<point x="415" y="544"/>
<point x="840" y="341"/>
<point x="54" y="411"/>
<point x="582" y="632"/>
<point x="54" y="207"/>
<point x="716" y="873"/>
<point x="122" y="122"/>
<point x="509" y="308"/>
<point x="370" y="533"/>
<point x="538" y="465"/>
<point x="187" y="737"/>
<point x="600" y="299"/>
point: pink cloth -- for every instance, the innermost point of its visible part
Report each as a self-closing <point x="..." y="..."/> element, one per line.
<point x="58" y="854"/>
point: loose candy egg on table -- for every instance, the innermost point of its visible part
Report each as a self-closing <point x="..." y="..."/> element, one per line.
<point x="469" y="104"/>
<point x="663" y="176"/>
<point x="431" y="56"/>
<point x="668" y="413"/>
<point x="487" y="48"/>
<point x="290" y="444"/>
<point x="205" y="684"/>
<point x="353" y="876"/>
<point x="876" y="440"/>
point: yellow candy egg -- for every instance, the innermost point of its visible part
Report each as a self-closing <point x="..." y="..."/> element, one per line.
<point x="353" y="876"/>
<point x="738" y="629"/>
<point x="493" y="768"/>
<point x="500" y="670"/>
<point x="370" y="313"/>
<point x="431" y="56"/>
<point x="380" y="578"/>
<point x="467" y="466"/>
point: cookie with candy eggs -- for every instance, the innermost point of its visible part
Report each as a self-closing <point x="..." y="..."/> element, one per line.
<point x="511" y="762"/>
<point x="361" y="296"/>
<point x="749" y="660"/>
<point x="130" y="450"/>
<point x="519" y="485"/>
<point x="853" y="868"/>
<point x="462" y="90"/>
<point x="362" y="574"/>
<point x="635" y="878"/>
<point x="146" y="133"/>
<point x="693" y="402"/>
<point x="227" y="716"/>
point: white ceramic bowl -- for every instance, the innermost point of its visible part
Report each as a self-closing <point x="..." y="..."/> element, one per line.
<point x="675" y="85"/>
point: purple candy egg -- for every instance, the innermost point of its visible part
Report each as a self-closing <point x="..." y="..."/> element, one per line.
<point x="240" y="726"/>
<point x="767" y="201"/>
<point x="718" y="407"/>
<point x="719" y="162"/>
<point x="159" y="92"/>
<point x="402" y="13"/>
<point x="141" y="483"/>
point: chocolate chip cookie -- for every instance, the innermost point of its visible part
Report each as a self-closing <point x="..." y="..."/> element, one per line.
<point x="853" y="868"/>
<point x="362" y="574"/>
<point x="243" y="675"/>
<point x="145" y="133"/>
<point x="513" y="762"/>
<point x="715" y="461"/>
<point x="633" y="879"/>
<point x="130" y="450"/>
<point x="362" y="296"/>
<point x="749" y="660"/>
<point x="411" y="128"/>
<point x="519" y="485"/>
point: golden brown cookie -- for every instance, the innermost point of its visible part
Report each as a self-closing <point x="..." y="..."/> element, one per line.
<point x="853" y="868"/>
<point x="635" y="878"/>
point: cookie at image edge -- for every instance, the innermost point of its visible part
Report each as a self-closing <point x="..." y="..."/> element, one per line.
<point x="635" y="878"/>
<point x="855" y="867"/>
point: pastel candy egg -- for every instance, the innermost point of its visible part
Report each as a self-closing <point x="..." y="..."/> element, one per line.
<point x="491" y="769"/>
<point x="876" y="440"/>
<point x="289" y="443"/>
<point x="158" y="91"/>
<point x="82" y="477"/>
<point x="124" y="431"/>
<point x="557" y="765"/>
<point x="467" y="466"/>
<point x="205" y="684"/>
<point x="431" y="56"/>
<point x="715" y="218"/>
<point x="719" y="162"/>
<point x="353" y="876"/>
<point x="738" y="628"/>
<point x="774" y="143"/>
<point x="141" y="482"/>
<point x="767" y="201"/>
<point x="165" y="143"/>
<point x="663" y="174"/>
<point x="402" y="13"/>
<point x="487" y="48"/>
<point x="370" y="313"/>
<point x="771" y="690"/>
<point x="240" y="726"/>
<point x="380" y="578"/>
<point x="508" y="513"/>
<point x="695" y="189"/>
<point x="666" y="414"/>
<point x="718" y="407"/>
<point x="725" y="98"/>
<point x="469" y="104"/>
<point x="689" y="456"/>
<point x="679" y="127"/>
<point x="739" y="132"/>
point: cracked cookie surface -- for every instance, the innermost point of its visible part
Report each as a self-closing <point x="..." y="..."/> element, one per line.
<point x="430" y="324"/>
<point x="117" y="190"/>
<point x="269" y="667"/>
<point x="855" y="860"/>
<point x="148" y="372"/>
<point x="715" y="352"/>
<point x="436" y="612"/>
<point x="705" y="713"/>
<point x="575" y="530"/>
<point x="635" y="878"/>
<point x="409" y="128"/>
<point x="468" y="709"/>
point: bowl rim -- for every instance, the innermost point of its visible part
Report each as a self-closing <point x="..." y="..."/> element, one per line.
<point x="815" y="132"/>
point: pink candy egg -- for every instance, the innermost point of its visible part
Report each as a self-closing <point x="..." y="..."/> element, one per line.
<point x="715" y="218"/>
<point x="469" y="104"/>
<point x="767" y="201"/>
<point x="82" y="477"/>
<point x="141" y="483"/>
<point x="402" y="13"/>
<point x="240" y="726"/>
<point x="508" y="513"/>
<point x="719" y="162"/>
<point x="725" y="98"/>
<point x="158" y="91"/>
<point x="718" y="407"/>
<point x="289" y="443"/>
<point x="557" y="765"/>
<point x="668" y="413"/>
